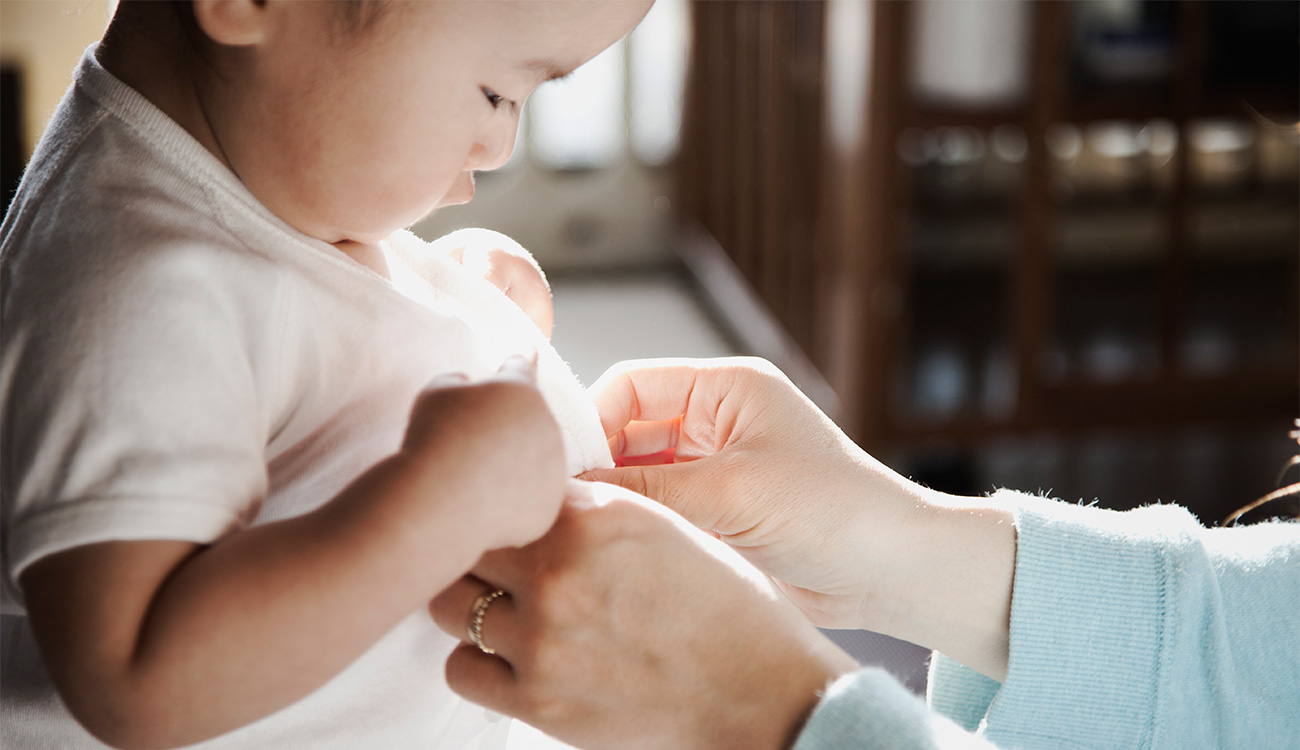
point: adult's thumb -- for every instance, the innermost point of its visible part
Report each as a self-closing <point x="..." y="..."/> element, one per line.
<point x="671" y="485"/>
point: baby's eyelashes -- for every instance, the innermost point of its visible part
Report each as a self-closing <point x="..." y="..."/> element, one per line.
<point x="495" y="99"/>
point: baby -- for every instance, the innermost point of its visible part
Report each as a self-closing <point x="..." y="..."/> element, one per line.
<point x="222" y="516"/>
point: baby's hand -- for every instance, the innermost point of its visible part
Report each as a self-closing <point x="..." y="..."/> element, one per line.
<point x="501" y="432"/>
<point x="508" y="266"/>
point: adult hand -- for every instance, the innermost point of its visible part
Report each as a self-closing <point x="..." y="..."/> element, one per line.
<point x="744" y="454"/>
<point x="624" y="627"/>
<point x="750" y="458"/>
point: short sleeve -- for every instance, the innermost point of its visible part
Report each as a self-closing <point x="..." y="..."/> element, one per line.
<point x="131" y="393"/>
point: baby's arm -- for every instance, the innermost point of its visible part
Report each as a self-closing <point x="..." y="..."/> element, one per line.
<point x="166" y="643"/>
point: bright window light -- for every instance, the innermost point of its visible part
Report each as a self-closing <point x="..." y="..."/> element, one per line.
<point x="521" y="141"/>
<point x="659" y="50"/>
<point x="578" y="122"/>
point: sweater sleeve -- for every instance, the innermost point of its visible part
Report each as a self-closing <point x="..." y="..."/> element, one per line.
<point x="1140" y="629"/>
<point x="870" y="708"/>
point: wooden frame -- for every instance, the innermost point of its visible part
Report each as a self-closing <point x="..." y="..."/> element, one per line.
<point x="817" y="227"/>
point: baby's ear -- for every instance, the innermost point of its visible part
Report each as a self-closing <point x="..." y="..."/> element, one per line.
<point x="234" y="23"/>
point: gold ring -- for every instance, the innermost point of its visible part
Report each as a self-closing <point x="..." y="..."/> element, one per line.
<point x="476" y="615"/>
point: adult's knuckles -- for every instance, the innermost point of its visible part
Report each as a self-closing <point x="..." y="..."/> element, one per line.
<point x="566" y="584"/>
<point x="562" y="592"/>
<point x="542" y="708"/>
<point x="529" y="642"/>
<point x="602" y="524"/>
<point x="548" y="658"/>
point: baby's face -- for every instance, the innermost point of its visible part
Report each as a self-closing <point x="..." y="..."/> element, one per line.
<point x="350" y="135"/>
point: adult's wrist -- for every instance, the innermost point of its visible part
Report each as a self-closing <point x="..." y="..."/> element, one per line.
<point x="792" y="697"/>
<point x="952" y="592"/>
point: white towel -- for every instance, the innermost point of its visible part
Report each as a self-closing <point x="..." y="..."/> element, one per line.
<point x="505" y="329"/>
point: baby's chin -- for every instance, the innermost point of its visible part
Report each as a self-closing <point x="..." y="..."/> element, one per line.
<point x="355" y="237"/>
<point x="370" y="224"/>
<point x="460" y="192"/>
<point x="372" y="231"/>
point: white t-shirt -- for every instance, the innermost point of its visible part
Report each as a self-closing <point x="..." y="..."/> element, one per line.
<point x="178" y="363"/>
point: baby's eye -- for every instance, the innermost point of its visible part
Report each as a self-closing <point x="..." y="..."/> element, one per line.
<point x="495" y="99"/>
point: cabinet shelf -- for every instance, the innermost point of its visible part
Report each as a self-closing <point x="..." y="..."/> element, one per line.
<point x="962" y="271"/>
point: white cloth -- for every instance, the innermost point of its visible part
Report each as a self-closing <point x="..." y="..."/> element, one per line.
<point x="178" y="363"/>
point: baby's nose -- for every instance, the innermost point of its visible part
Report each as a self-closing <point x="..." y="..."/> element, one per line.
<point x="492" y="149"/>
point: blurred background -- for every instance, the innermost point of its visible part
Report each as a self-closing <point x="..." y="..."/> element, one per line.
<point x="1043" y="245"/>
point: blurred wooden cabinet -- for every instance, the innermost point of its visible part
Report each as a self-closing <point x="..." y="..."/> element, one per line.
<point x="1110" y="241"/>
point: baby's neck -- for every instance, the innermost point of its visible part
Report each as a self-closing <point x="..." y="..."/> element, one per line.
<point x="145" y="47"/>
<point x="142" y="48"/>
<point x="369" y="255"/>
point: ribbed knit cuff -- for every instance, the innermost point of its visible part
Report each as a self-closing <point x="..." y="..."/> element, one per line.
<point x="1088" y="619"/>
<point x="870" y="708"/>
<point x="959" y="692"/>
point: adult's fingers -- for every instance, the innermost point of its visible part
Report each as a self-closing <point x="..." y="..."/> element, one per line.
<point x="501" y="629"/>
<point x="483" y="678"/>
<point x="686" y="488"/>
<point x="645" y="390"/>
<point x="709" y="397"/>
<point x="646" y="438"/>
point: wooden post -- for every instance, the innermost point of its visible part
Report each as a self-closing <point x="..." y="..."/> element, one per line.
<point x="1033" y="309"/>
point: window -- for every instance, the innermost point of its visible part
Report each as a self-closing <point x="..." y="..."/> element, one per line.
<point x="586" y="183"/>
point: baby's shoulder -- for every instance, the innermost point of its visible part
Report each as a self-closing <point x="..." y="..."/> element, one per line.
<point x="106" y="203"/>
<point x="126" y="251"/>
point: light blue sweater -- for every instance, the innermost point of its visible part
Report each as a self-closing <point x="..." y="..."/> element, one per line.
<point x="1139" y="629"/>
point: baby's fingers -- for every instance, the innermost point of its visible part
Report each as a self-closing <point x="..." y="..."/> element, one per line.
<point x="517" y="368"/>
<point x="520" y="369"/>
